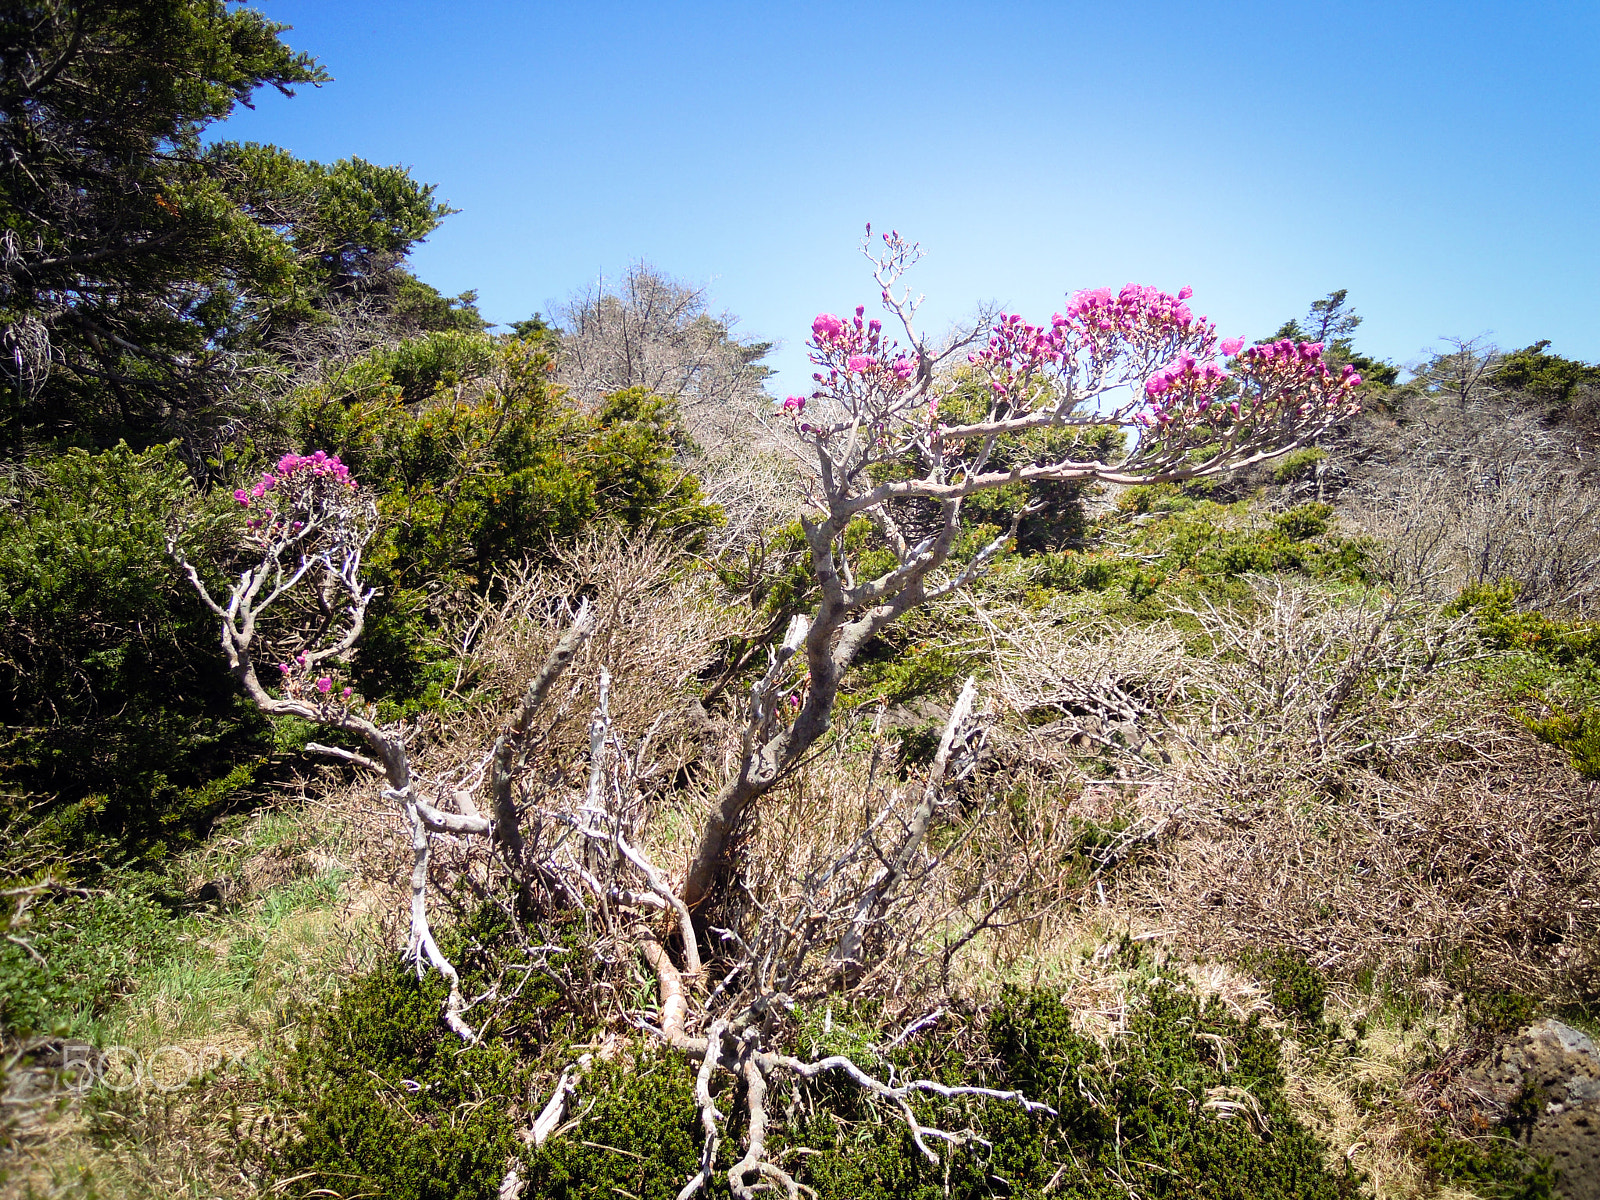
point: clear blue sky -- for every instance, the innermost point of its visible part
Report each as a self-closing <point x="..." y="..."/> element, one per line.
<point x="1440" y="160"/>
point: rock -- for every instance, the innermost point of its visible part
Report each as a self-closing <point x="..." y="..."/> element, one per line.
<point x="1548" y="1078"/>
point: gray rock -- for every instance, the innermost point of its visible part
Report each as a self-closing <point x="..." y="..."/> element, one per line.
<point x="1551" y="1072"/>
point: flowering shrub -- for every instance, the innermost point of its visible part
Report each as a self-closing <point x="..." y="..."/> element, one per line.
<point x="1125" y="385"/>
<point x="1141" y="340"/>
<point x="305" y="487"/>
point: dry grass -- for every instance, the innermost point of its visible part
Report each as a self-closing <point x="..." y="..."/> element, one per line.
<point x="1485" y="869"/>
<point x="1357" y="1097"/>
<point x="188" y="1050"/>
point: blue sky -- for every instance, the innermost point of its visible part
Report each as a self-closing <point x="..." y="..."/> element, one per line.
<point x="1439" y="160"/>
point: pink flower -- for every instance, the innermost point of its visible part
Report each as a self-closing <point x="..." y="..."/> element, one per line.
<point x="904" y="368"/>
<point x="1230" y="346"/>
<point x="794" y="404"/>
<point x="1185" y="292"/>
<point x="242" y="496"/>
<point x="826" y="326"/>
<point x="324" y="684"/>
<point x="859" y="363"/>
<point x="345" y="694"/>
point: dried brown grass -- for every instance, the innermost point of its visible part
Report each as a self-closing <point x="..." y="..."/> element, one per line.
<point x="1482" y="868"/>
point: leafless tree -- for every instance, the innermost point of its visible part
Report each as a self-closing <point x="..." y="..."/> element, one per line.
<point x="1462" y="373"/>
<point x="651" y="331"/>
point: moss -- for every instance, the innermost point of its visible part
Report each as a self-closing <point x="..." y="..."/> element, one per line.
<point x="1501" y="1012"/>
<point x="1298" y="465"/>
<point x="1298" y="990"/>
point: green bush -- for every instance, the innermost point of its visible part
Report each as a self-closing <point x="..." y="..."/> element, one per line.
<point x="477" y="460"/>
<point x="1298" y="465"/>
<point x="1131" y="1118"/>
<point x="391" y="1099"/>
<point x="81" y="954"/>
<point x="1555" y="664"/>
<point x="1297" y="989"/>
<point x="641" y="1137"/>
<point x="124" y="733"/>
<point x="1495" y="1167"/>
<point x="1189" y="1102"/>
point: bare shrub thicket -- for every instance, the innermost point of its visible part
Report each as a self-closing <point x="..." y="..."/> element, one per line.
<point x="1335" y="788"/>
<point x="1483" y="871"/>
<point x="1467" y="488"/>
<point x="1307" y="772"/>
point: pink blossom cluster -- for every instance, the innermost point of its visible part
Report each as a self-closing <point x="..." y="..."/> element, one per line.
<point x="318" y="463"/>
<point x="1139" y="319"/>
<point x="1186" y="371"/>
<point x="1271" y="382"/>
<point x="299" y="482"/>
<point x="296" y="677"/>
<point x="1289" y="367"/>
<point x="1104" y="338"/>
<point x="1016" y="349"/>
<point x="1306" y="356"/>
<point x="853" y="354"/>
<point x="1135" y="309"/>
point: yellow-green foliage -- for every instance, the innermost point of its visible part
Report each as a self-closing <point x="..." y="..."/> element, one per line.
<point x="1298" y="465"/>
<point x="1552" y="665"/>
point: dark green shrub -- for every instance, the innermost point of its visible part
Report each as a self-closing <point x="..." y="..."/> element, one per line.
<point x="124" y="733"/>
<point x="394" y="1102"/>
<point x="1133" y="1118"/>
<point x="1303" y="521"/>
<point x="1502" y="1012"/>
<point x="1189" y="1102"/>
<point x="640" y="1138"/>
<point x="1298" y="989"/>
